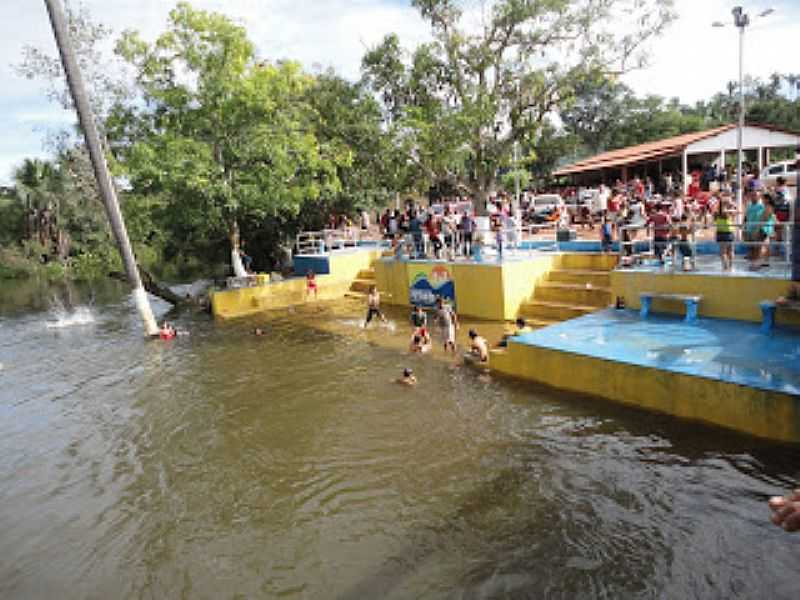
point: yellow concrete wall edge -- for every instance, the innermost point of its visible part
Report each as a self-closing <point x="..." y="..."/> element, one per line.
<point x="762" y="413"/>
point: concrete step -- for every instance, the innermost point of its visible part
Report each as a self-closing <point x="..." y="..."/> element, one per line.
<point x="366" y="274"/>
<point x="553" y="311"/>
<point x="595" y="277"/>
<point x="362" y="285"/>
<point x="573" y="293"/>
<point x="588" y="260"/>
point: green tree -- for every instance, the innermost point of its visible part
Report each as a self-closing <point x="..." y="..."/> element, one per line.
<point x="460" y="102"/>
<point x="224" y="139"/>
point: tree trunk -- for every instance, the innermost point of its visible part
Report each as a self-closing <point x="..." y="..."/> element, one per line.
<point x="154" y="287"/>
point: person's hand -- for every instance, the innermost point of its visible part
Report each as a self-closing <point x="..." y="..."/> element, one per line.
<point x="786" y="511"/>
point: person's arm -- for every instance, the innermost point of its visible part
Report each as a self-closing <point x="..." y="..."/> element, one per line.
<point x="786" y="511"/>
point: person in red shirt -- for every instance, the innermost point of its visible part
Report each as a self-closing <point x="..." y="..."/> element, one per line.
<point x="662" y="225"/>
<point x="432" y="227"/>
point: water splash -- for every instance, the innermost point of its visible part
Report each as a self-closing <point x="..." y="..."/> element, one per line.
<point x="63" y="318"/>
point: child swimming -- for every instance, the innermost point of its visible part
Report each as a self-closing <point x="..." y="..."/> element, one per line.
<point x="408" y="378"/>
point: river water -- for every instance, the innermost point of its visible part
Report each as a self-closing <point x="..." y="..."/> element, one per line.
<point x="223" y="465"/>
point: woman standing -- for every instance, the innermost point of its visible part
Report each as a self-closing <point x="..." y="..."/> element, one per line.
<point x="723" y="220"/>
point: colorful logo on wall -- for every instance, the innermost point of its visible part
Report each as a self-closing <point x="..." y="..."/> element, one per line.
<point x="427" y="282"/>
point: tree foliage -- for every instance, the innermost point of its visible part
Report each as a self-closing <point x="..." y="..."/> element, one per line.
<point x="223" y="138"/>
<point x="457" y="104"/>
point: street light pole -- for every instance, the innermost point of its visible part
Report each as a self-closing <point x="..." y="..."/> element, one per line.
<point x="741" y="20"/>
<point x="101" y="173"/>
<point x="516" y="175"/>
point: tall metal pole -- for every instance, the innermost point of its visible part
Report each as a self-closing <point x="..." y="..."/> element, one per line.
<point x="516" y="176"/>
<point x="740" y="152"/>
<point x="101" y="173"/>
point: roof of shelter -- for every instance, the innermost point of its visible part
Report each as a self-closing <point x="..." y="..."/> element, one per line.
<point x="650" y="150"/>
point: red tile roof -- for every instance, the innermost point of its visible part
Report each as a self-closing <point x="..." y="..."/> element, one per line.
<point x="642" y="152"/>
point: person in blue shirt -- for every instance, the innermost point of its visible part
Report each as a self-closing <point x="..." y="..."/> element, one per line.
<point x="753" y="233"/>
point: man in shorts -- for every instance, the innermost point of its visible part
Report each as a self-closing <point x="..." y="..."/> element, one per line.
<point x="448" y="322"/>
<point x="373" y="306"/>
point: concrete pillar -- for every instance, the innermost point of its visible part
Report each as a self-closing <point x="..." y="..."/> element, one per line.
<point x="760" y="160"/>
<point x="767" y="156"/>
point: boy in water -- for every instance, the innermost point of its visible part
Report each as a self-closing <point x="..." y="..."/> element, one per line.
<point x="408" y="378"/>
<point x="374" y="306"/>
<point x="448" y="321"/>
<point x="418" y="317"/>
<point x="521" y="328"/>
<point x="478" y="346"/>
<point x="311" y="284"/>
<point x="420" y="344"/>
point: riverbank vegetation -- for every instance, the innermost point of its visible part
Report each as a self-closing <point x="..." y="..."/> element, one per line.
<point x="212" y="144"/>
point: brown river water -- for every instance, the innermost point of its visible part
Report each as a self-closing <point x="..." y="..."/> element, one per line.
<point x="222" y="465"/>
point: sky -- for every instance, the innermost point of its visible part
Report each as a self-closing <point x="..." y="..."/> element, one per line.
<point x="691" y="60"/>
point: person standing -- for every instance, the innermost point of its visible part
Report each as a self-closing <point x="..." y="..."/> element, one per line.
<point x="374" y="306"/>
<point x="448" y="322"/>
<point x="723" y="220"/>
<point x="415" y="229"/>
<point x="467" y="229"/>
<point x="662" y="226"/>
<point x="752" y="227"/>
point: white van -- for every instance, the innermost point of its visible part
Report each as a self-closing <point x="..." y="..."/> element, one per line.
<point x="786" y="169"/>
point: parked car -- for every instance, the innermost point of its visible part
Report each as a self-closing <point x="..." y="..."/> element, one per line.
<point x="786" y="169"/>
<point x="576" y="202"/>
<point x="544" y="205"/>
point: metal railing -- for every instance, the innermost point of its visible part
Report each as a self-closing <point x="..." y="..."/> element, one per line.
<point x="327" y="240"/>
<point x="478" y="245"/>
<point x="747" y="250"/>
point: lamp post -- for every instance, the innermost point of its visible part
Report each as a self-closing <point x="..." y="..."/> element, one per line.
<point x="741" y="20"/>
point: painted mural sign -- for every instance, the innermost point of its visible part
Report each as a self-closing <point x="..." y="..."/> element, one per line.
<point x="427" y="282"/>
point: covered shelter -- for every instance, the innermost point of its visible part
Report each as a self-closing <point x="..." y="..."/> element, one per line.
<point x="682" y="154"/>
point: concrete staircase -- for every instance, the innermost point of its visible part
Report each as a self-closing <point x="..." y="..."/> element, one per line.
<point x="360" y="286"/>
<point x="579" y="285"/>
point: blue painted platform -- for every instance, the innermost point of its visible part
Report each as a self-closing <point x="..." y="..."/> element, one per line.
<point x="732" y="351"/>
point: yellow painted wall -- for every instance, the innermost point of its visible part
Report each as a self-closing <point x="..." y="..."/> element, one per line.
<point x="391" y="277"/>
<point x="771" y="415"/>
<point x="723" y="297"/>
<point x="483" y="290"/>
<point x="520" y="279"/>
<point x="344" y="267"/>
<point x="479" y="290"/>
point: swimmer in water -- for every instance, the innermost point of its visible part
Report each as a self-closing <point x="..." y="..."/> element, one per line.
<point x="408" y="378"/>
<point x="521" y="327"/>
<point x="419" y="344"/>
<point x="373" y="306"/>
<point x="418" y="318"/>
<point x="167" y="331"/>
<point x="478" y="346"/>
<point x="786" y="511"/>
